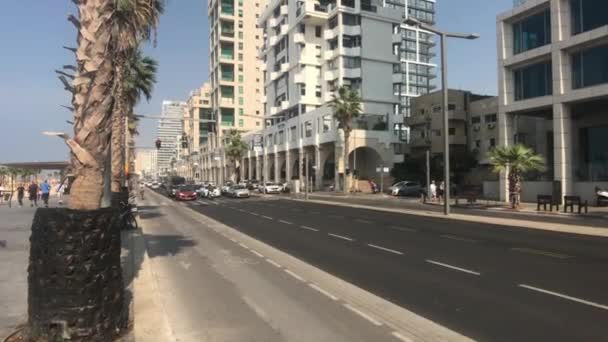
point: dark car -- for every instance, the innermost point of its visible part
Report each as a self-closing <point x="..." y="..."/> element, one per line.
<point x="186" y="193"/>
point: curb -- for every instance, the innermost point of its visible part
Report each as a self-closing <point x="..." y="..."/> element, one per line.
<point x="554" y="227"/>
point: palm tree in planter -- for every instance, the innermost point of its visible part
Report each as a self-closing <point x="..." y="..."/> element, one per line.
<point x="135" y="21"/>
<point x="235" y="150"/>
<point x="515" y="160"/>
<point x="346" y="106"/>
<point x="75" y="282"/>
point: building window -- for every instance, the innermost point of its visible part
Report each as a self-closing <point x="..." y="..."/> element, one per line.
<point x="452" y="130"/>
<point x="308" y="129"/>
<point x="476" y="120"/>
<point x="590" y="67"/>
<point x="533" y="81"/>
<point x="318" y="31"/>
<point x="303" y="89"/>
<point x="490" y="118"/>
<point x="318" y="91"/>
<point x="477" y="143"/>
<point x="532" y="32"/>
<point x="492" y="142"/>
<point x="326" y="123"/>
<point x="588" y="15"/>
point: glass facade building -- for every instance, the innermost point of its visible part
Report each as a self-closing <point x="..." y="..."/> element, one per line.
<point x="588" y="15"/>
<point x="533" y="81"/>
<point x="590" y="67"/>
<point x="532" y="32"/>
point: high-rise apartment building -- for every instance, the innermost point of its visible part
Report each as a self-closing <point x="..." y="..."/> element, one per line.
<point x="169" y="131"/>
<point x="145" y="163"/>
<point x="234" y="70"/>
<point x="310" y="49"/>
<point x="553" y="71"/>
<point x="199" y="126"/>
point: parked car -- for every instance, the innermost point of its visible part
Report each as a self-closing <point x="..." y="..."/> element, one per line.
<point x="226" y="187"/>
<point x="202" y="191"/>
<point x="186" y="193"/>
<point x="155" y="186"/>
<point x="213" y="192"/>
<point x="238" y="191"/>
<point x="253" y="185"/>
<point x="406" y="188"/>
<point x="270" y="188"/>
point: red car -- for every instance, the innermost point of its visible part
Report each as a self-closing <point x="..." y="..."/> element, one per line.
<point x="186" y="193"/>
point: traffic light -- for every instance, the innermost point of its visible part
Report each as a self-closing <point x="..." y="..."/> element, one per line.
<point x="158" y="144"/>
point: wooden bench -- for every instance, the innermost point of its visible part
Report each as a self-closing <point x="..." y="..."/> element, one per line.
<point x="544" y="200"/>
<point x="571" y="201"/>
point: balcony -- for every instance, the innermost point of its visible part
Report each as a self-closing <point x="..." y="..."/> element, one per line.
<point x="298" y="38"/>
<point x="331" y="33"/>
<point x="331" y="75"/>
<point x="352" y="72"/>
<point x="274" y="110"/>
<point x="284" y="104"/>
<point x="351" y="30"/>
<point x="227" y="101"/>
<point x="351" y="51"/>
<point x="274" y="75"/>
<point x="284" y="30"/>
<point x="284" y="10"/>
<point x="284" y="67"/>
<point x="330" y="54"/>
<point x="299" y="78"/>
<point x="273" y="40"/>
<point x="417" y="120"/>
<point x="272" y="22"/>
<point x="420" y="142"/>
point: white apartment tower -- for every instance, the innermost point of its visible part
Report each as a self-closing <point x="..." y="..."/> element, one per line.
<point x="169" y="131"/>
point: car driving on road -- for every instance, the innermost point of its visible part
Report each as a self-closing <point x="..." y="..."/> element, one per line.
<point x="406" y="188"/>
<point x="186" y="193"/>
<point x="270" y="188"/>
<point x="238" y="191"/>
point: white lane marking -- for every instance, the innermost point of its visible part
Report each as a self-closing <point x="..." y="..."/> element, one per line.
<point x="256" y="253"/>
<point x="453" y="267"/>
<point x="363" y="221"/>
<point x="539" y="252"/>
<point x="286" y="222"/>
<point x="295" y="275"/>
<point x="574" y="299"/>
<point x="327" y="294"/>
<point x="341" y="237"/>
<point x="244" y="246"/>
<point x="336" y="217"/>
<point x="309" y="228"/>
<point x="458" y="238"/>
<point x="401" y="337"/>
<point x="254" y="214"/>
<point x="267" y="217"/>
<point x="362" y="314"/>
<point x="385" y="249"/>
<point x="315" y="212"/>
<point x="273" y="263"/>
<point x="403" y="229"/>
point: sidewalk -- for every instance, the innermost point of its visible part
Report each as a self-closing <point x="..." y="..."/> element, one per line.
<point x="15" y="228"/>
<point x="595" y="223"/>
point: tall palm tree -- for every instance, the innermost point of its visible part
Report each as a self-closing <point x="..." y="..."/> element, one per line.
<point x="235" y="150"/>
<point x="515" y="160"/>
<point x="346" y="106"/>
<point x="135" y="21"/>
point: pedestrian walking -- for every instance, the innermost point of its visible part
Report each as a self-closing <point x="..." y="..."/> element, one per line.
<point x="33" y="192"/>
<point x="433" y="191"/>
<point x="441" y="191"/>
<point x="20" y="194"/>
<point x="45" y="189"/>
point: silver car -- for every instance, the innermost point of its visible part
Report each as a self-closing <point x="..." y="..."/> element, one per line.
<point x="270" y="188"/>
<point x="239" y="191"/>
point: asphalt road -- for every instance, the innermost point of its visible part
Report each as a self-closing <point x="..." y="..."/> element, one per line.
<point x="487" y="282"/>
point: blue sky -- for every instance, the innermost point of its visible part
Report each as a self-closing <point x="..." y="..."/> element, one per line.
<point x="32" y="33"/>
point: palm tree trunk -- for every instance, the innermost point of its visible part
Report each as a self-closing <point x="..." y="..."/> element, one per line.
<point x="75" y="288"/>
<point x="118" y="128"/>
<point x="346" y="161"/>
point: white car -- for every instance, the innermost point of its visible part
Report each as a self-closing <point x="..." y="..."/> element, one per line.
<point x="239" y="192"/>
<point x="155" y="186"/>
<point x="270" y="188"/>
<point x="213" y="192"/>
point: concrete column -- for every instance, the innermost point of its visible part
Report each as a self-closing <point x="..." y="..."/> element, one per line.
<point x="258" y="170"/>
<point x="505" y="138"/>
<point x="249" y="168"/>
<point x="562" y="148"/>
<point x="339" y="166"/>
<point x="265" y="167"/>
<point x="242" y="169"/>
<point x="301" y="165"/>
<point x="277" y="168"/>
<point x="318" y="170"/>
<point x="288" y="165"/>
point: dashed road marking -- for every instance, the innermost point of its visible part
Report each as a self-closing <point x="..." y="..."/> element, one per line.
<point x="309" y="228"/>
<point x="327" y="294"/>
<point x="401" y="337"/>
<point x="385" y="249"/>
<point x="295" y="275"/>
<point x="286" y="222"/>
<point x="254" y="214"/>
<point x="338" y="217"/>
<point x="256" y="253"/>
<point x="362" y="314"/>
<point x="272" y="262"/>
<point x="267" y="217"/>
<point x="453" y="267"/>
<point x="315" y="212"/>
<point x="540" y="252"/>
<point x="458" y="238"/>
<point x="403" y="229"/>
<point x="574" y="299"/>
<point x="363" y="221"/>
<point x="341" y="237"/>
<point x="243" y="245"/>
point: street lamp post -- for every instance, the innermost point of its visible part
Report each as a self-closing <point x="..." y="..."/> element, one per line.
<point x="444" y="84"/>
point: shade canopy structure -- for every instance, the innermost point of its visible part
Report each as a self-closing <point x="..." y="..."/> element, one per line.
<point x="52" y="165"/>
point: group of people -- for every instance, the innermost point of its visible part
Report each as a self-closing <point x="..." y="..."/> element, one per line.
<point x="38" y="192"/>
<point x="436" y="193"/>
